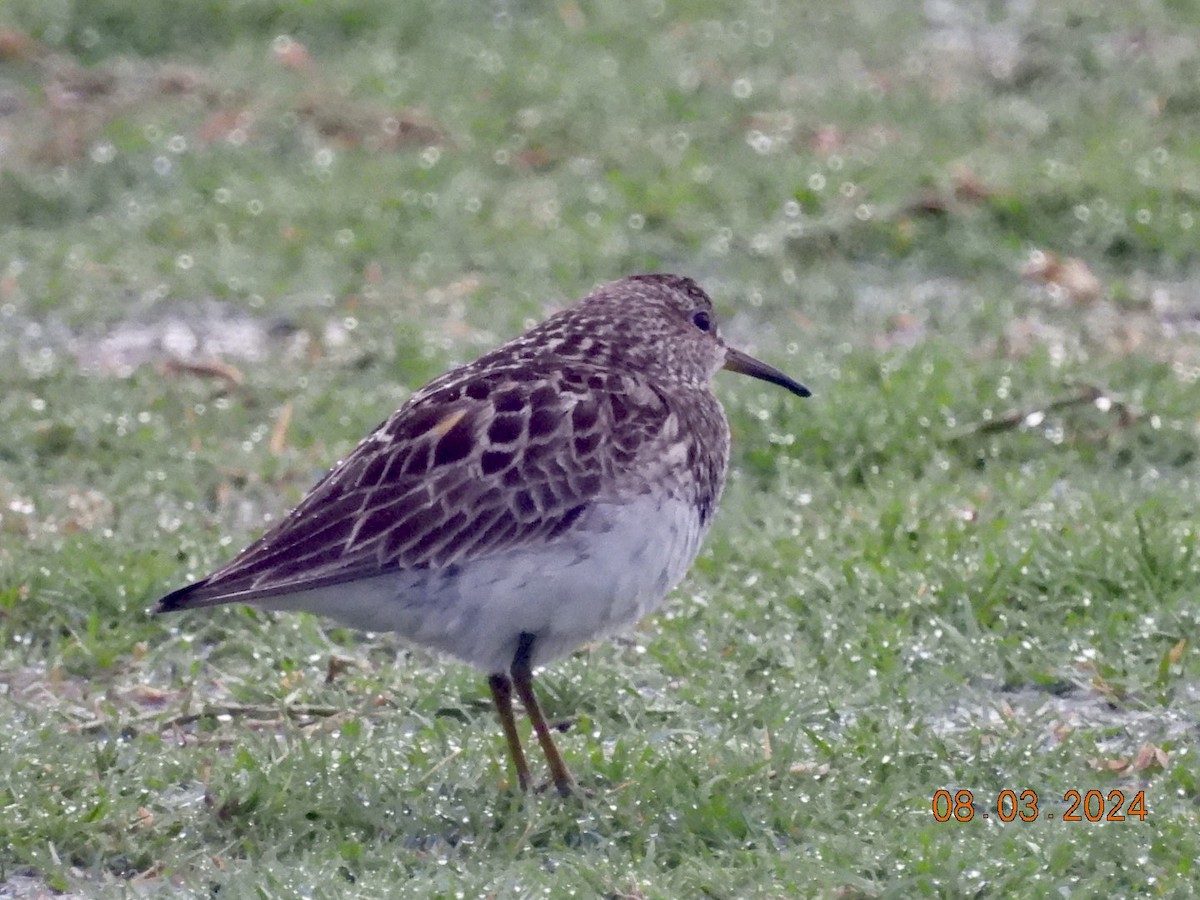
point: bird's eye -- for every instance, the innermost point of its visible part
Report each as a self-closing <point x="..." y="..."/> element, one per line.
<point x="701" y="320"/>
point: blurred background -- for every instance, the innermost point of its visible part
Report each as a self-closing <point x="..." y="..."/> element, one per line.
<point x="235" y="235"/>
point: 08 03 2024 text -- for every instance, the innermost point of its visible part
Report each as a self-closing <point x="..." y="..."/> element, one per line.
<point x="1010" y="805"/>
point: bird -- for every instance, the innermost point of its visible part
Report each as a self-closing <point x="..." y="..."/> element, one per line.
<point x="546" y="495"/>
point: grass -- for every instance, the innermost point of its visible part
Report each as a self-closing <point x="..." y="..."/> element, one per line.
<point x="969" y="562"/>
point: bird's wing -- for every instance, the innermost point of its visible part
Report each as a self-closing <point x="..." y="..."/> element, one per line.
<point x="493" y="461"/>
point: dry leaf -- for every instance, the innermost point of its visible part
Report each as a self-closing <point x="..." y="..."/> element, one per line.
<point x="291" y="680"/>
<point x="1071" y="275"/>
<point x="1109" y="765"/>
<point x="291" y="54"/>
<point x="967" y="186"/>
<point x="1149" y="756"/>
<point x="929" y="202"/>
<point x="536" y="158"/>
<point x="15" y="45"/>
<point x="177" y="80"/>
<point x="148" y="696"/>
<point x="412" y="128"/>
<point x="572" y="16"/>
<point x="224" y="124"/>
<point x="1175" y="654"/>
<point x="279" y="431"/>
<point x="206" y="369"/>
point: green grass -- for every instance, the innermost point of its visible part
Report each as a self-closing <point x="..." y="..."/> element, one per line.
<point x="969" y="562"/>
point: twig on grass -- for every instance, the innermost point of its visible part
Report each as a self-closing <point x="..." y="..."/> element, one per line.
<point x="1084" y="395"/>
<point x="210" y="711"/>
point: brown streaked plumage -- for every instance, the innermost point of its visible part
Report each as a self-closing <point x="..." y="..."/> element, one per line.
<point x="550" y="492"/>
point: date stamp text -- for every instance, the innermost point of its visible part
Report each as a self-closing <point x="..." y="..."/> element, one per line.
<point x="1025" y="806"/>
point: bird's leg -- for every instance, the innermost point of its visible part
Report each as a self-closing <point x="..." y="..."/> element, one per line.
<point x="502" y="697"/>
<point x="522" y="680"/>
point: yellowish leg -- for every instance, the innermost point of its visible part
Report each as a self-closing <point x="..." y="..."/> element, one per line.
<point x="522" y="681"/>
<point x="502" y="697"/>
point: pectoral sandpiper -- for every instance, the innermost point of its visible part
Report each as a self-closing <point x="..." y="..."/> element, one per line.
<point x="547" y="494"/>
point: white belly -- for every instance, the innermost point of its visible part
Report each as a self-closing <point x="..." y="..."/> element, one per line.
<point x="614" y="567"/>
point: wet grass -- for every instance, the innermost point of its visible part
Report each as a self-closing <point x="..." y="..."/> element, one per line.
<point x="969" y="562"/>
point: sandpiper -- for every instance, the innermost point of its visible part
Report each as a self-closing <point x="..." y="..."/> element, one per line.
<point x="547" y="494"/>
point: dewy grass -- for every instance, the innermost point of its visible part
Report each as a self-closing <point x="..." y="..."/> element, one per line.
<point x="969" y="563"/>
